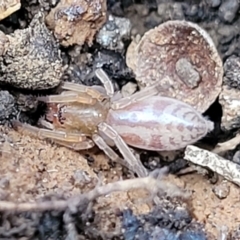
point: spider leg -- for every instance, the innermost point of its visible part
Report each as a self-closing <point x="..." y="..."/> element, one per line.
<point x="74" y="141"/>
<point x="105" y="80"/>
<point x="68" y="97"/>
<point x="83" y="94"/>
<point x="81" y="89"/>
<point x="76" y="146"/>
<point x="138" y="96"/>
<point x="100" y="142"/>
<point x="131" y="161"/>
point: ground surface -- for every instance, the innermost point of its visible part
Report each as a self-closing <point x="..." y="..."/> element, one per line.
<point x="32" y="169"/>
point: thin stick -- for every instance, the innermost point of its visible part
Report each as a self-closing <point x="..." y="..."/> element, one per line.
<point x="152" y="183"/>
<point x="204" y="158"/>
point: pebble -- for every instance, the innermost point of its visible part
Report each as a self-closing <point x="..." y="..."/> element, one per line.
<point x="129" y="89"/>
<point x="228" y="10"/>
<point x="229" y="96"/>
<point x="222" y="190"/>
<point x="214" y="3"/>
<point x="113" y="32"/>
<point x="7" y="107"/>
<point x="232" y="72"/>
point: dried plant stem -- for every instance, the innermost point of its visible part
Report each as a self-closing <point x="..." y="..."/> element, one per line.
<point x="153" y="184"/>
<point x="228" y="145"/>
<point x="204" y="158"/>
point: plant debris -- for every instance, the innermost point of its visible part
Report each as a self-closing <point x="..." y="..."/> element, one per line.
<point x="204" y="158"/>
<point x="7" y="7"/>
<point x="185" y="53"/>
<point x="151" y="183"/>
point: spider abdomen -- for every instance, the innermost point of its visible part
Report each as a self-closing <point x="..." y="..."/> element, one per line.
<point x="159" y="123"/>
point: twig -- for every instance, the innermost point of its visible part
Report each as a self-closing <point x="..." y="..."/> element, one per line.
<point x="224" y="167"/>
<point x="153" y="184"/>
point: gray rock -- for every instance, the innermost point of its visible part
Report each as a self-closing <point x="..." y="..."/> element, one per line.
<point x="113" y="32"/>
<point x="228" y="10"/>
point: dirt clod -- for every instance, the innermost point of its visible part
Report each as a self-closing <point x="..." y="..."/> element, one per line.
<point x="77" y="22"/>
<point x="32" y="59"/>
<point x="163" y="223"/>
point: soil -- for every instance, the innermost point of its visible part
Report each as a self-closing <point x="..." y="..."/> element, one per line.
<point x="40" y="170"/>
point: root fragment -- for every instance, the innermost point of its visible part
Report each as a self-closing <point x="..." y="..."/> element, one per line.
<point x="154" y="184"/>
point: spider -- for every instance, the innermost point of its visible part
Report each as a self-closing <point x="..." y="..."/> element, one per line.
<point x="83" y="116"/>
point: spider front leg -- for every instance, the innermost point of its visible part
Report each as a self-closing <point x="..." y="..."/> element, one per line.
<point x="75" y="141"/>
<point x="82" y="89"/>
<point x="138" y="96"/>
<point x="107" y="150"/>
<point x="68" y="97"/>
<point x="105" y="80"/>
<point x="130" y="160"/>
<point x="96" y="92"/>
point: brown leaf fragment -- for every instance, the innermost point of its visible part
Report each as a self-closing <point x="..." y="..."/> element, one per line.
<point x="185" y="53"/>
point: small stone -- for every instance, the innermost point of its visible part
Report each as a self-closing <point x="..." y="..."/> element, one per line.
<point x="228" y="10"/>
<point x="48" y="4"/>
<point x="213" y="3"/>
<point x="26" y="103"/>
<point x="113" y="32"/>
<point x="229" y="99"/>
<point x="4" y="182"/>
<point x="129" y="89"/>
<point x="222" y="190"/>
<point x="173" y="11"/>
<point x="8" y="109"/>
<point x="232" y="72"/>
<point x="81" y="177"/>
<point x="177" y="12"/>
<point x="187" y="73"/>
<point x="142" y="9"/>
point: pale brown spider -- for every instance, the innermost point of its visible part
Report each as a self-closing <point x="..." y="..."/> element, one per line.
<point x="82" y="116"/>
